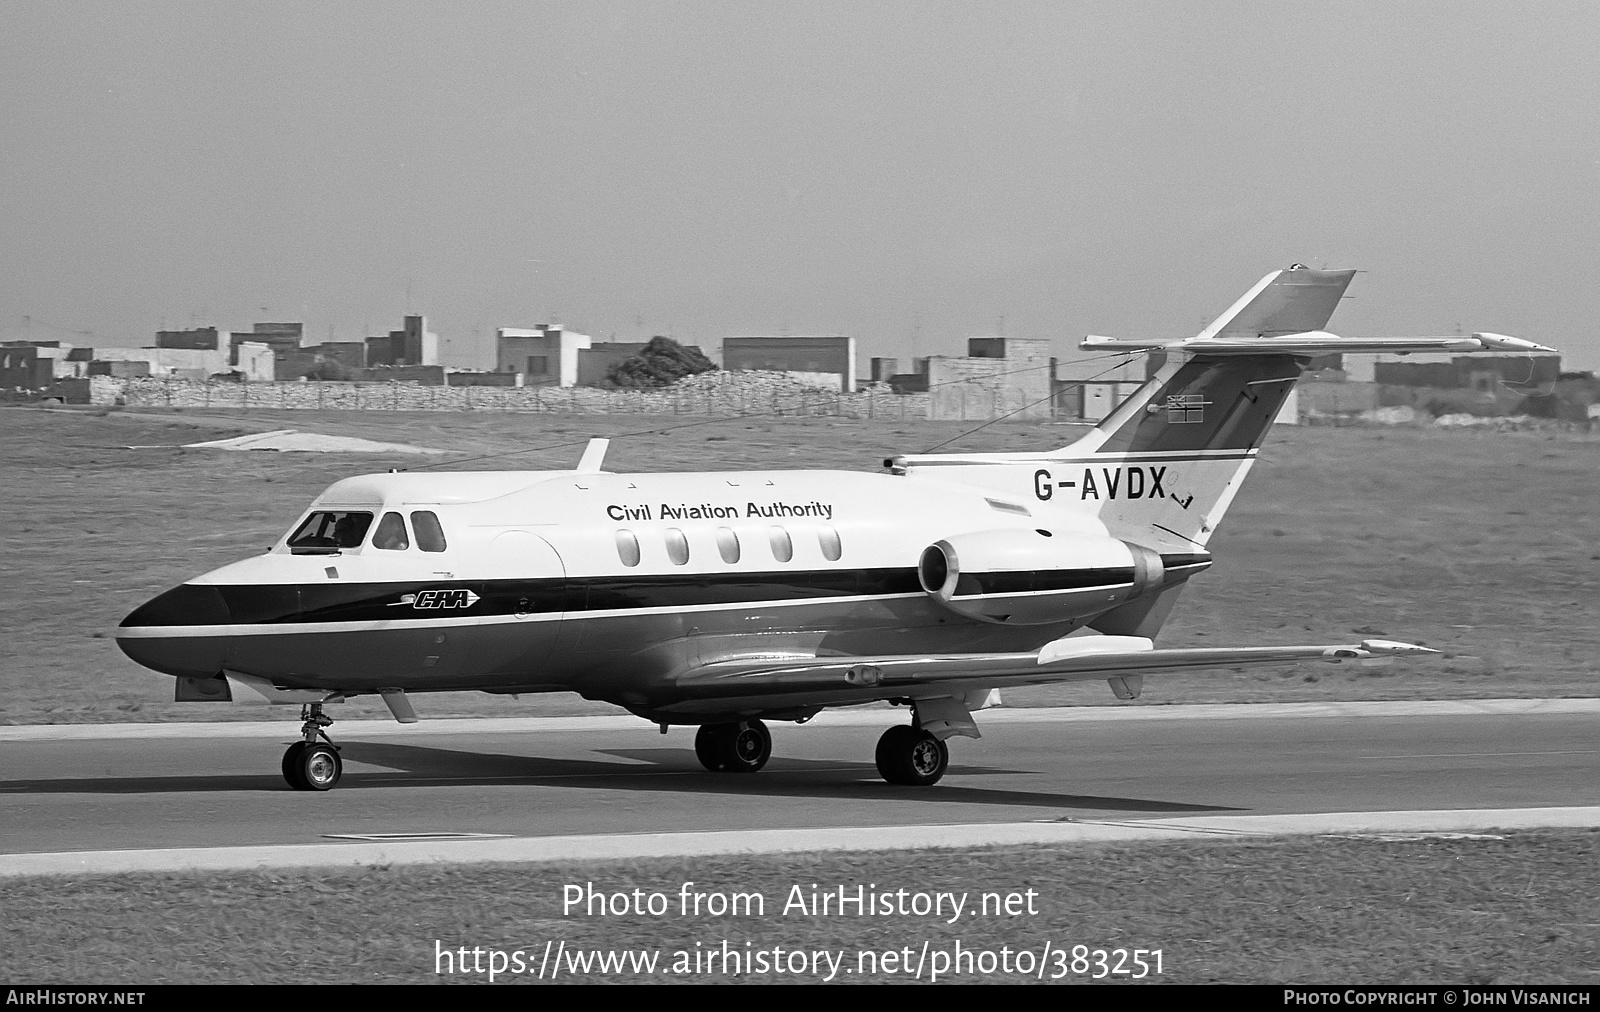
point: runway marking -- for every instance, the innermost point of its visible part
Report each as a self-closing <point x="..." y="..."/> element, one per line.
<point x="396" y="837"/>
<point x="1175" y="827"/>
<point x="1481" y="755"/>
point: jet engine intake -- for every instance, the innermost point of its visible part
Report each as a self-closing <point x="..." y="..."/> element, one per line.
<point x="1036" y="577"/>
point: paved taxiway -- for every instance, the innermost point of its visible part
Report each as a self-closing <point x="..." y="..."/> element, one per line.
<point x="114" y="788"/>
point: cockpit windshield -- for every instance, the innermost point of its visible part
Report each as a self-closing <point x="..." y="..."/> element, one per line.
<point x="326" y="532"/>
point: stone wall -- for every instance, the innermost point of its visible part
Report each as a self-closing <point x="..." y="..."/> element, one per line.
<point x="746" y="397"/>
<point x="966" y="389"/>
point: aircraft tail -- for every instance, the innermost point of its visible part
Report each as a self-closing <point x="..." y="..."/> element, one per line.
<point x="1291" y="301"/>
<point x="1164" y="466"/>
<point x="1188" y="437"/>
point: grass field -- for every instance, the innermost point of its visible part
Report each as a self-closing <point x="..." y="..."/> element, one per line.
<point x="1458" y="910"/>
<point x="1485" y="545"/>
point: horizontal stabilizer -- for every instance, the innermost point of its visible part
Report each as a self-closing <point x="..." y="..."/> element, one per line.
<point x="1320" y="342"/>
<point x="1285" y="313"/>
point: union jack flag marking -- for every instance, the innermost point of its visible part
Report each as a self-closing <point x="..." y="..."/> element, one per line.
<point x="1183" y="409"/>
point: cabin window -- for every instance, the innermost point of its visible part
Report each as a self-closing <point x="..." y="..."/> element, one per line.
<point x="326" y="531"/>
<point x="430" y="536"/>
<point x="391" y="535"/>
<point x="627" y="548"/>
<point x="728" y="545"/>
<point x="677" y="547"/>
<point x="828" y="538"/>
<point x="782" y="547"/>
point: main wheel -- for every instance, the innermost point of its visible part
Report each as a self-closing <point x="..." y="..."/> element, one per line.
<point x="911" y="756"/>
<point x="316" y="767"/>
<point x="709" y="745"/>
<point x="733" y="748"/>
<point x="291" y="766"/>
<point x="749" y="748"/>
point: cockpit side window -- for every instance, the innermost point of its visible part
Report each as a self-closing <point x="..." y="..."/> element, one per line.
<point x="391" y="534"/>
<point x="327" y="531"/>
<point x="430" y="536"/>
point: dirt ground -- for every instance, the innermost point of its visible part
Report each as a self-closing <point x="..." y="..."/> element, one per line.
<point x="1485" y="545"/>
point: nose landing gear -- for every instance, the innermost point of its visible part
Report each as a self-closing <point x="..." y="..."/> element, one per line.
<point x="310" y="765"/>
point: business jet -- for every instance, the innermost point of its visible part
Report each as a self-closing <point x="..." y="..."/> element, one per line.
<point x="729" y="599"/>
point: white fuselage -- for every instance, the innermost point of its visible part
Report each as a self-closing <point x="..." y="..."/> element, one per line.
<point x="606" y="584"/>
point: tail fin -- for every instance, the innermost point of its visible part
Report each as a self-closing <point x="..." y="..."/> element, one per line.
<point x="1163" y="468"/>
<point x="1291" y="301"/>
<point x="1184" y="442"/>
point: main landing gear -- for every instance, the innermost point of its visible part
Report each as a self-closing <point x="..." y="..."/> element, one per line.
<point x="910" y="756"/>
<point x="309" y="765"/>
<point x="733" y="748"/>
<point x="907" y="753"/>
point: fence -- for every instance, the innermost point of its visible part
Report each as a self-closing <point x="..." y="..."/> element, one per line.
<point x="727" y="399"/>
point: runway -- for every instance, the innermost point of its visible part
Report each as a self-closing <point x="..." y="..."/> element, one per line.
<point x="144" y="787"/>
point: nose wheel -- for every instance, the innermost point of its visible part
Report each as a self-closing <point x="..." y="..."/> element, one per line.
<point x="911" y="756"/>
<point x="733" y="748"/>
<point x="310" y="765"/>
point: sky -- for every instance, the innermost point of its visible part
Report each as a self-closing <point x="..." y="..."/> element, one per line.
<point x="910" y="174"/>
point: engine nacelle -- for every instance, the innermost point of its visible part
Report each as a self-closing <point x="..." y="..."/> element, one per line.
<point x="1036" y="577"/>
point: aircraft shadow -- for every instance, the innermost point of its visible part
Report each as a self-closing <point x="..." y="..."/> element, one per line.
<point x="665" y="770"/>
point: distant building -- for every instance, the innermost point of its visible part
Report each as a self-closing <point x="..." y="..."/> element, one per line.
<point x="913" y="382"/>
<point x="21" y="367"/>
<point x="1091" y="389"/>
<point x="290" y="361"/>
<point x="1476" y="384"/>
<point x="1474" y="372"/>
<point x="199" y="339"/>
<point x="350" y="354"/>
<point x="1574" y="398"/>
<point x="180" y="363"/>
<point x="1001" y="376"/>
<point x="546" y="355"/>
<point x="413" y="344"/>
<point x="835" y="355"/>
<point x="596" y="361"/>
<point x="119" y="370"/>
<point x="1343" y="397"/>
<point x="884" y="368"/>
<point x="256" y="362"/>
<point x="278" y="336"/>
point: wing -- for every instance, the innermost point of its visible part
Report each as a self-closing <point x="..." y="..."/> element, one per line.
<point x="1064" y="660"/>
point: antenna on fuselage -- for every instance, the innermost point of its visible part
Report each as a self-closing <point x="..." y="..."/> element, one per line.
<point x="593" y="455"/>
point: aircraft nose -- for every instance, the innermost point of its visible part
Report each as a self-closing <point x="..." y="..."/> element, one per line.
<point x="182" y="632"/>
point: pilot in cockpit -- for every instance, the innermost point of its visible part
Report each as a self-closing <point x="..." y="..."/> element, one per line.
<point x="346" y="532"/>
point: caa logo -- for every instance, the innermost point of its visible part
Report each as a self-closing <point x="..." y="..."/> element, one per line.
<point x="440" y="599"/>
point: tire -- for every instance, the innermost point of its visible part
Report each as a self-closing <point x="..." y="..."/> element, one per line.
<point x="709" y="745"/>
<point x="733" y="748"/>
<point x="749" y="747"/>
<point x="319" y="767"/>
<point x="911" y="756"/>
<point x="291" y="767"/>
